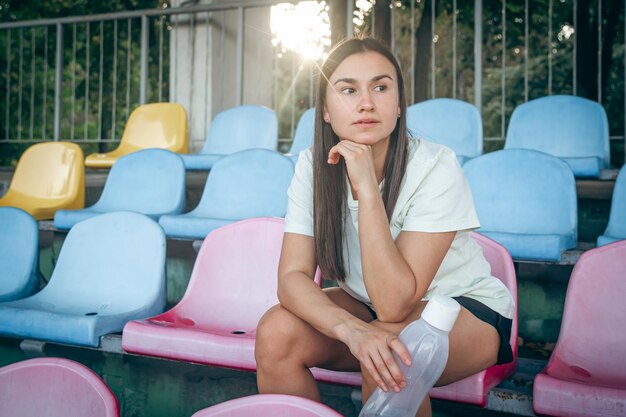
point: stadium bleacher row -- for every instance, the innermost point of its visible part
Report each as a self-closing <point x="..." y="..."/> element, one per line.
<point x="525" y="195"/>
<point x="23" y="382"/>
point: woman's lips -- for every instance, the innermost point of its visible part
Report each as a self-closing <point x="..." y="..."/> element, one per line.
<point x="366" y="122"/>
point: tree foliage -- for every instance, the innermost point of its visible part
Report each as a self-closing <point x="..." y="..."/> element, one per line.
<point x="511" y="73"/>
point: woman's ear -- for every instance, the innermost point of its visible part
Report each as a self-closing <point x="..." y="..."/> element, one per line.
<point x="326" y="115"/>
<point x="399" y="112"/>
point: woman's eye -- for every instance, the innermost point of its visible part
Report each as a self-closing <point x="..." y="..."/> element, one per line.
<point x="347" y="90"/>
<point x="380" y="88"/>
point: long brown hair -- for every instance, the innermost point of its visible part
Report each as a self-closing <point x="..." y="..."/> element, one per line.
<point x="329" y="181"/>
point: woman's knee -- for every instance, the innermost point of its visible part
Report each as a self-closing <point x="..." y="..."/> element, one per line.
<point x="276" y="335"/>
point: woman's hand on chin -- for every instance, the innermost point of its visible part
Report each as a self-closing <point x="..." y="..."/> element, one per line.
<point x="359" y="164"/>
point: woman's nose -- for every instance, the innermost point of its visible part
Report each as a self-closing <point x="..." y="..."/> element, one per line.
<point x="365" y="102"/>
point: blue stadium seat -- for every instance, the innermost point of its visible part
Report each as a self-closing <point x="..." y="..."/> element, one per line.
<point x="234" y="130"/>
<point x="616" y="230"/>
<point x="572" y="128"/>
<point x="450" y="122"/>
<point x="526" y="201"/>
<point x="111" y="269"/>
<point x="150" y="182"/>
<point x="19" y="254"/>
<point x="247" y="184"/>
<point x="303" y="137"/>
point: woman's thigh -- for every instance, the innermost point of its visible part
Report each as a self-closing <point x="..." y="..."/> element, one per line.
<point x="473" y="347"/>
<point x="300" y="341"/>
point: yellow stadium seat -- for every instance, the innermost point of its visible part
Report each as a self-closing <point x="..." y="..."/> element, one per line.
<point x="156" y="125"/>
<point x="49" y="176"/>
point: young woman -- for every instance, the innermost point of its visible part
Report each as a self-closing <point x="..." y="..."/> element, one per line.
<point x="388" y="218"/>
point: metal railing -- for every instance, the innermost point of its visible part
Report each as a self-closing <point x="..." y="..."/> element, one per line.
<point x="72" y="88"/>
<point x="67" y="76"/>
<point x="78" y="78"/>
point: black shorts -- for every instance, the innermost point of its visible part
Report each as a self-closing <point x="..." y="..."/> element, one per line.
<point x="501" y="324"/>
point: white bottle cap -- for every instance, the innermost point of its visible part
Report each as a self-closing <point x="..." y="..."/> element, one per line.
<point x="441" y="312"/>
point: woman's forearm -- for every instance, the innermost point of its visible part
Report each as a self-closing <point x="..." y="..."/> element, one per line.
<point x="299" y="294"/>
<point x="390" y="282"/>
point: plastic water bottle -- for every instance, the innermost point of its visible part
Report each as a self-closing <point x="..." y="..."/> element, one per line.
<point x="426" y="340"/>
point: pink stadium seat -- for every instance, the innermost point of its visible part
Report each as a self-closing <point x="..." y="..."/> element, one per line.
<point x="268" y="405"/>
<point x="232" y="284"/>
<point x="54" y="387"/>
<point x="586" y="375"/>
<point x="472" y="389"/>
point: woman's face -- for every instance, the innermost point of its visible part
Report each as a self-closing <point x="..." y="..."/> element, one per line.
<point x="362" y="99"/>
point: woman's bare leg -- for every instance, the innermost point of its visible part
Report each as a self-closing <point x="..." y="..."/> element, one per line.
<point x="473" y="347"/>
<point x="286" y="347"/>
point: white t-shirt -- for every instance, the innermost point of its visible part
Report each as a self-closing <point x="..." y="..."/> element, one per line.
<point x="434" y="197"/>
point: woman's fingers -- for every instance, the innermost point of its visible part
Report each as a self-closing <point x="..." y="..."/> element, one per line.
<point x="397" y="346"/>
<point x="346" y="149"/>
<point x="375" y="348"/>
<point x="336" y="152"/>
<point x="394" y="370"/>
<point x="383" y="370"/>
<point x="333" y="157"/>
<point x="382" y="366"/>
<point x="367" y="362"/>
<point x="393" y="345"/>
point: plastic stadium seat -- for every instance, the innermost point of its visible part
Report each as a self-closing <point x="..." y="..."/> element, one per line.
<point x="150" y="182"/>
<point x="54" y="387"/>
<point x="157" y="125"/>
<point x="572" y="128"/>
<point x="19" y="254"/>
<point x="232" y="285"/>
<point x="526" y="201"/>
<point x="49" y="176"/>
<point x="585" y="375"/>
<point x="454" y="123"/>
<point x="616" y="229"/>
<point x="111" y="269"/>
<point x="247" y="184"/>
<point x="268" y="405"/>
<point x="234" y="130"/>
<point x="472" y="389"/>
<point x="303" y="137"/>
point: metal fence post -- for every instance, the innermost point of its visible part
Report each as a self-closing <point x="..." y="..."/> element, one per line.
<point x="240" y="34"/>
<point x="57" y="83"/>
<point x="143" y="79"/>
<point x="349" y="17"/>
<point x="478" y="52"/>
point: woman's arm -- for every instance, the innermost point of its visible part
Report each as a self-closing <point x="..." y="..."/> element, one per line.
<point x="299" y="294"/>
<point x="396" y="274"/>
